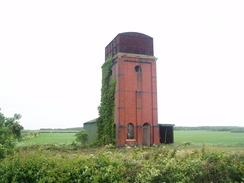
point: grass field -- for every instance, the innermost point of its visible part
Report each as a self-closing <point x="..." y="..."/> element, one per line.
<point x="52" y="138"/>
<point x="220" y="138"/>
<point x="223" y="138"/>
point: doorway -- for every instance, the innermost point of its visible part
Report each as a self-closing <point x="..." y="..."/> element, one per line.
<point x="146" y="134"/>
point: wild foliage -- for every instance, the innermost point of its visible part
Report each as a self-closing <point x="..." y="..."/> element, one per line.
<point x="10" y="132"/>
<point x="29" y="135"/>
<point x="106" y="131"/>
<point x="155" y="164"/>
<point x="82" y="137"/>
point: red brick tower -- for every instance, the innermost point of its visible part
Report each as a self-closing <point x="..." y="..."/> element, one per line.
<point x="134" y="68"/>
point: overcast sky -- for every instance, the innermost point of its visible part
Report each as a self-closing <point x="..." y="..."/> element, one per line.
<point x="51" y="53"/>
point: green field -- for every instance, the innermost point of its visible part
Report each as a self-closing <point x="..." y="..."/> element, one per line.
<point x="223" y="138"/>
<point x="51" y="138"/>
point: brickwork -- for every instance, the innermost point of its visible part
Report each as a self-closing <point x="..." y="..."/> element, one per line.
<point x="135" y="98"/>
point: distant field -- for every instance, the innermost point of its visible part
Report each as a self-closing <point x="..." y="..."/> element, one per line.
<point x="52" y="138"/>
<point x="224" y="138"/>
<point x="221" y="138"/>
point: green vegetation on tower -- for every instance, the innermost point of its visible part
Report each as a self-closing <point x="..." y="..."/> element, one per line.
<point x="106" y="130"/>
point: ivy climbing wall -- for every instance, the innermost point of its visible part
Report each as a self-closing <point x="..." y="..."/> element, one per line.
<point x="106" y="129"/>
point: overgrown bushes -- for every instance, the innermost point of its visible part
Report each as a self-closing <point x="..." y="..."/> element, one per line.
<point x="29" y="135"/>
<point x="155" y="164"/>
<point x="82" y="137"/>
<point x="10" y="132"/>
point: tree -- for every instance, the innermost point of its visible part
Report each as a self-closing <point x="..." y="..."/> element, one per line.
<point x="82" y="137"/>
<point x="13" y="124"/>
<point x="10" y="131"/>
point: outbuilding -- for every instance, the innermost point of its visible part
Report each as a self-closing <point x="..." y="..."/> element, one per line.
<point x="91" y="129"/>
<point x="166" y="132"/>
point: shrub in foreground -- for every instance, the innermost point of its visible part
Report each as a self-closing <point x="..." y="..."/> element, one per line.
<point x="9" y="133"/>
<point x="82" y="137"/>
<point x="131" y="165"/>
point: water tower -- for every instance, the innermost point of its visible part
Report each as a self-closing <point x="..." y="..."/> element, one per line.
<point x="134" y="68"/>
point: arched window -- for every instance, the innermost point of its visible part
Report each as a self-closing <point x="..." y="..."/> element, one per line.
<point x="138" y="71"/>
<point x="146" y="124"/>
<point x="130" y="131"/>
<point x="137" y="68"/>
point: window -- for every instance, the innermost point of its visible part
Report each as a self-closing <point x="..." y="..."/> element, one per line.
<point x="138" y="71"/>
<point x="130" y="131"/>
<point x="137" y="68"/>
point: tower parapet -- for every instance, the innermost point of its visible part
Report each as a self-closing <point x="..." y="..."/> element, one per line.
<point x="130" y="42"/>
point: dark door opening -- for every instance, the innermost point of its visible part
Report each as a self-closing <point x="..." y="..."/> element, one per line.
<point x="146" y="134"/>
